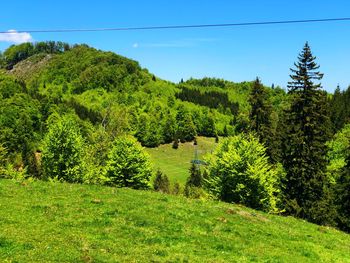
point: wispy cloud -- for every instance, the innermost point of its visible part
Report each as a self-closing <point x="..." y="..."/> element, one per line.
<point x="15" y="37"/>
<point x="184" y="43"/>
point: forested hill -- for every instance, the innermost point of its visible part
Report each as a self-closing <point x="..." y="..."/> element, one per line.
<point x="99" y="86"/>
<point x="107" y="95"/>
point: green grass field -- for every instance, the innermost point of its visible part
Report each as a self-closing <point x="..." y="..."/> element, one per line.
<point x="59" y="222"/>
<point x="176" y="163"/>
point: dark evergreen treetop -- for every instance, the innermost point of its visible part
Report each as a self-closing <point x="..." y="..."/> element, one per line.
<point x="260" y="108"/>
<point x="305" y="72"/>
<point x="260" y="118"/>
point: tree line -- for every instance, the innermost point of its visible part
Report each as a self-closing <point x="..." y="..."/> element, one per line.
<point x="85" y="117"/>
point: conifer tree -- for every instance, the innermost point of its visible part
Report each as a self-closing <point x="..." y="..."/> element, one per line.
<point x="161" y="183"/>
<point x="304" y="150"/>
<point x="194" y="182"/>
<point x="195" y="179"/>
<point x="337" y="110"/>
<point x="260" y="117"/>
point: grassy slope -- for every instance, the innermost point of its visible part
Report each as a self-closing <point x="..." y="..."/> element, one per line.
<point x="48" y="222"/>
<point x="176" y="163"/>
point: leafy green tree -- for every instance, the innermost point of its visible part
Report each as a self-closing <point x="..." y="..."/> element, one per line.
<point x="343" y="197"/>
<point x="20" y="124"/>
<point x="128" y="165"/>
<point x="338" y="172"/>
<point x="239" y="171"/>
<point x="208" y="124"/>
<point x="169" y="129"/>
<point x="63" y="153"/>
<point x="186" y="130"/>
<point x="338" y="153"/>
<point x="304" y="143"/>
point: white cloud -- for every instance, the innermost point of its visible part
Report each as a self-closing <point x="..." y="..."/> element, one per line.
<point x="15" y="37"/>
<point x="135" y="45"/>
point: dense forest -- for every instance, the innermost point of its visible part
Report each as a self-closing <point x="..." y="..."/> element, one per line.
<point x="81" y="115"/>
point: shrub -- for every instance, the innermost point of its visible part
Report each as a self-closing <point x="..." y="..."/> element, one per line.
<point x="128" y="165"/>
<point x="239" y="172"/>
<point x="161" y="183"/>
<point x="63" y="154"/>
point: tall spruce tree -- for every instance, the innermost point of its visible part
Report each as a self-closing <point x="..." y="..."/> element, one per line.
<point x="307" y="129"/>
<point x="260" y="118"/>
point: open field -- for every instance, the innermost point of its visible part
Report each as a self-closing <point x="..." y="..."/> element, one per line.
<point x="176" y="163"/>
<point x="59" y="222"/>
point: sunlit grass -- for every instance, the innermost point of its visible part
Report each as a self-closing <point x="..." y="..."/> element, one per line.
<point x="58" y="222"/>
<point x="175" y="163"/>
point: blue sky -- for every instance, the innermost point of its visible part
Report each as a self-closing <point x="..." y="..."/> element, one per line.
<point x="237" y="54"/>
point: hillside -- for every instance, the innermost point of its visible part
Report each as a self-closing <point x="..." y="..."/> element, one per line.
<point x="176" y="163"/>
<point x="59" y="222"/>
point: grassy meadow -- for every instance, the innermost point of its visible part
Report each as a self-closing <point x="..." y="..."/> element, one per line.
<point x="60" y="222"/>
<point x="175" y="163"/>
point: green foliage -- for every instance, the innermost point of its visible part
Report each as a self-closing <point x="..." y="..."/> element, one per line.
<point x="9" y="86"/>
<point x="128" y="165"/>
<point x="339" y="175"/>
<point x="176" y="188"/>
<point x="211" y="99"/>
<point x="195" y="178"/>
<point x="186" y="130"/>
<point x="20" y="124"/>
<point x="87" y="68"/>
<point x="343" y="197"/>
<point x="338" y="153"/>
<point x="161" y="183"/>
<point x="306" y="132"/>
<point x="16" y="53"/>
<point x="193" y="187"/>
<point x="64" y="150"/>
<point x="239" y="172"/>
<point x="260" y="117"/>
<point x="3" y="160"/>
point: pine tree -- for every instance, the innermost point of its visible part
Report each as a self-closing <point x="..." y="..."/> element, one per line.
<point x="176" y="189"/>
<point x="161" y="183"/>
<point x="195" y="178"/>
<point x="304" y="150"/>
<point x="337" y="110"/>
<point x="194" y="182"/>
<point x="157" y="181"/>
<point x="260" y="118"/>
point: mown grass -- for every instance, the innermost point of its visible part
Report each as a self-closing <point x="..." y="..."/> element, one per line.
<point x="59" y="222"/>
<point x="175" y="163"/>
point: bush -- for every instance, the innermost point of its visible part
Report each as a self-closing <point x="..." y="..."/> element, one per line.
<point x="239" y="172"/>
<point x="63" y="153"/>
<point x="161" y="183"/>
<point x="3" y="160"/>
<point x="128" y="165"/>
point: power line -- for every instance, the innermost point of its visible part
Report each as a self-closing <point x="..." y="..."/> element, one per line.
<point x="177" y="26"/>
